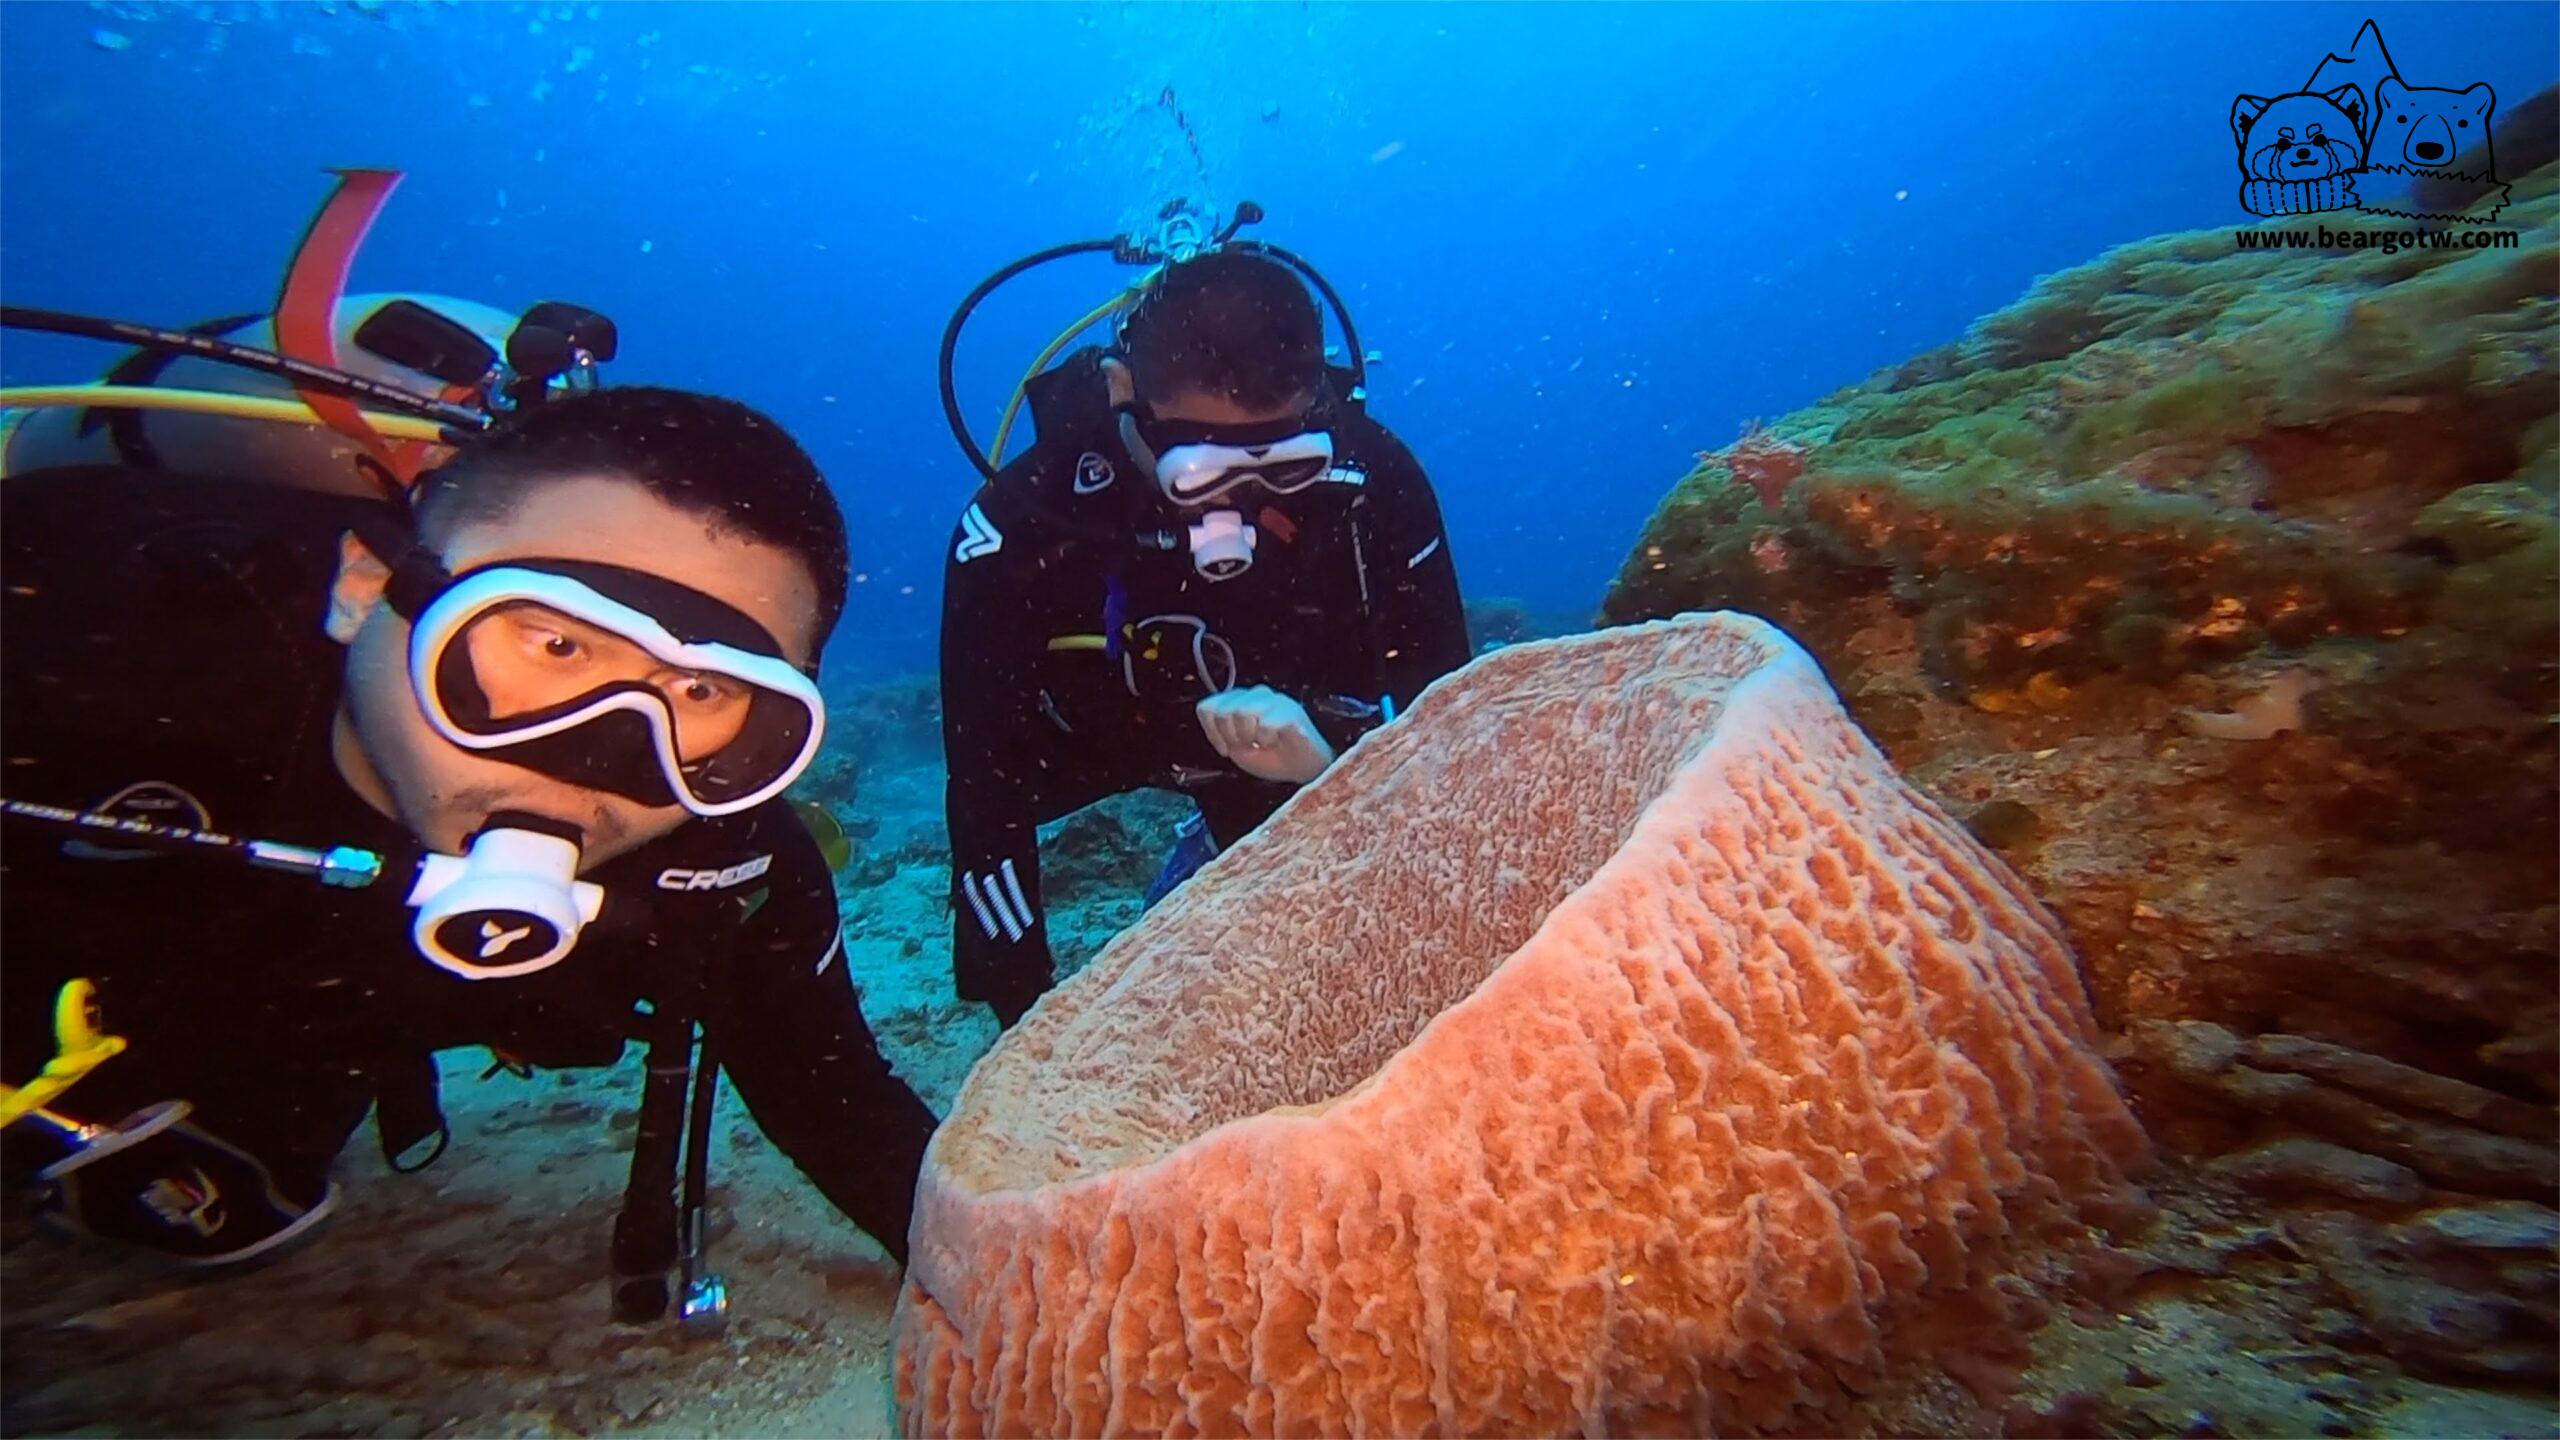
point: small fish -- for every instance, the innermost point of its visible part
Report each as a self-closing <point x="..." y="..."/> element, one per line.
<point x="824" y="828"/>
<point x="110" y="40"/>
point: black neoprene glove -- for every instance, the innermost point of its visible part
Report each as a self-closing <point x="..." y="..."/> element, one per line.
<point x="1009" y="986"/>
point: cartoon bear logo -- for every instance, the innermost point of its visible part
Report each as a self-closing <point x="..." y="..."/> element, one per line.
<point x="2356" y="120"/>
<point x="2430" y="129"/>
<point x="2299" y="153"/>
<point x="2439" y="141"/>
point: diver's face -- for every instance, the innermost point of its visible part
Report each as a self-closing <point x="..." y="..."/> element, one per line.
<point x="444" y="793"/>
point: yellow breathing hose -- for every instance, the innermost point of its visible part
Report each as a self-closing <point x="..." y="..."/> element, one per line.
<point x="1013" y="407"/>
<point x="206" y="402"/>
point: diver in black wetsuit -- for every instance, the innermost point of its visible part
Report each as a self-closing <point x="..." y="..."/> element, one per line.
<point x="579" y="661"/>
<point x="1212" y="573"/>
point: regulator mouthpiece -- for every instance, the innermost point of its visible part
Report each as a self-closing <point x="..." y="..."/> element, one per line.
<point x="1222" y="545"/>
<point x="511" y="905"/>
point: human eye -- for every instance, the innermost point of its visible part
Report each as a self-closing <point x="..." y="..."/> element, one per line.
<point x="549" y="641"/>
<point x="707" y="691"/>
<point x="549" y="638"/>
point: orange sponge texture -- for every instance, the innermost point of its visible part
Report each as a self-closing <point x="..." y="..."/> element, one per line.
<point x="1614" y="1044"/>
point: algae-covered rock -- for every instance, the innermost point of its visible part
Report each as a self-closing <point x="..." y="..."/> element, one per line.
<point x="2261" y="444"/>
<point x="2005" y="825"/>
<point x="2298" y="1166"/>
<point x="2219" y="590"/>
<point x="2175" y="458"/>
<point x="2479" y="522"/>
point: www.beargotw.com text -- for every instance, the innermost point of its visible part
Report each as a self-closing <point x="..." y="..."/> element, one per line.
<point x="2389" y="242"/>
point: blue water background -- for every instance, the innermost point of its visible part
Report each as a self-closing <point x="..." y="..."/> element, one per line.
<point x="1589" y="240"/>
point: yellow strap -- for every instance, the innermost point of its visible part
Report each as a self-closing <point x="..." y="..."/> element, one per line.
<point x="1013" y="407"/>
<point x="79" y="1045"/>
<point x="1080" y="642"/>
<point x="204" y="402"/>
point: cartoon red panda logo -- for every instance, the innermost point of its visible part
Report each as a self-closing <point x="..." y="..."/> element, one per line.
<point x="2301" y="136"/>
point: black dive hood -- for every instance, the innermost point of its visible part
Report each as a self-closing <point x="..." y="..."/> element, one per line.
<point x="1180" y="235"/>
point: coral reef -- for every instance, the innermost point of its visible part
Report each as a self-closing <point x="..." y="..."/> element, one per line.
<point x="891" y="722"/>
<point x="2220" y="589"/>
<point x="1700" y="1077"/>
<point x="1494" y="621"/>
<point x="1763" y="463"/>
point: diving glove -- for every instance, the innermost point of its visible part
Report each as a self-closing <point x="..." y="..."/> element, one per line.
<point x="1009" y="986"/>
<point x="160" y="1183"/>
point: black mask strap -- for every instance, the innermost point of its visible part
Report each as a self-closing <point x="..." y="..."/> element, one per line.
<point x="417" y="578"/>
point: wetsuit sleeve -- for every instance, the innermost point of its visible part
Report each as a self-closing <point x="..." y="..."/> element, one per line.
<point x="786" y="1022"/>
<point x="993" y="636"/>
<point x="1418" y="627"/>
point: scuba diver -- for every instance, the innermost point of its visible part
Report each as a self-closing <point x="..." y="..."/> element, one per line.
<point x="511" y="738"/>
<point x="1211" y="572"/>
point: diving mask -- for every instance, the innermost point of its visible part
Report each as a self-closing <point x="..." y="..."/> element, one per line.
<point x="609" y="679"/>
<point x="1197" y="464"/>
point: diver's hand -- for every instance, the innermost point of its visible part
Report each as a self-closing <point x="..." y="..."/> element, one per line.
<point x="1267" y="735"/>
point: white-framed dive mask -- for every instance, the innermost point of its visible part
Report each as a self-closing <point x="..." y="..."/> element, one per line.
<point x="1198" y="464"/>
<point x="609" y="679"/>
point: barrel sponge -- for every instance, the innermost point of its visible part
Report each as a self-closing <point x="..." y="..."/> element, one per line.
<point x="1613" y="1044"/>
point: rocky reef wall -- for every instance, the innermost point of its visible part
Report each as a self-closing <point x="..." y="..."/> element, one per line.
<point x="2219" y="588"/>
